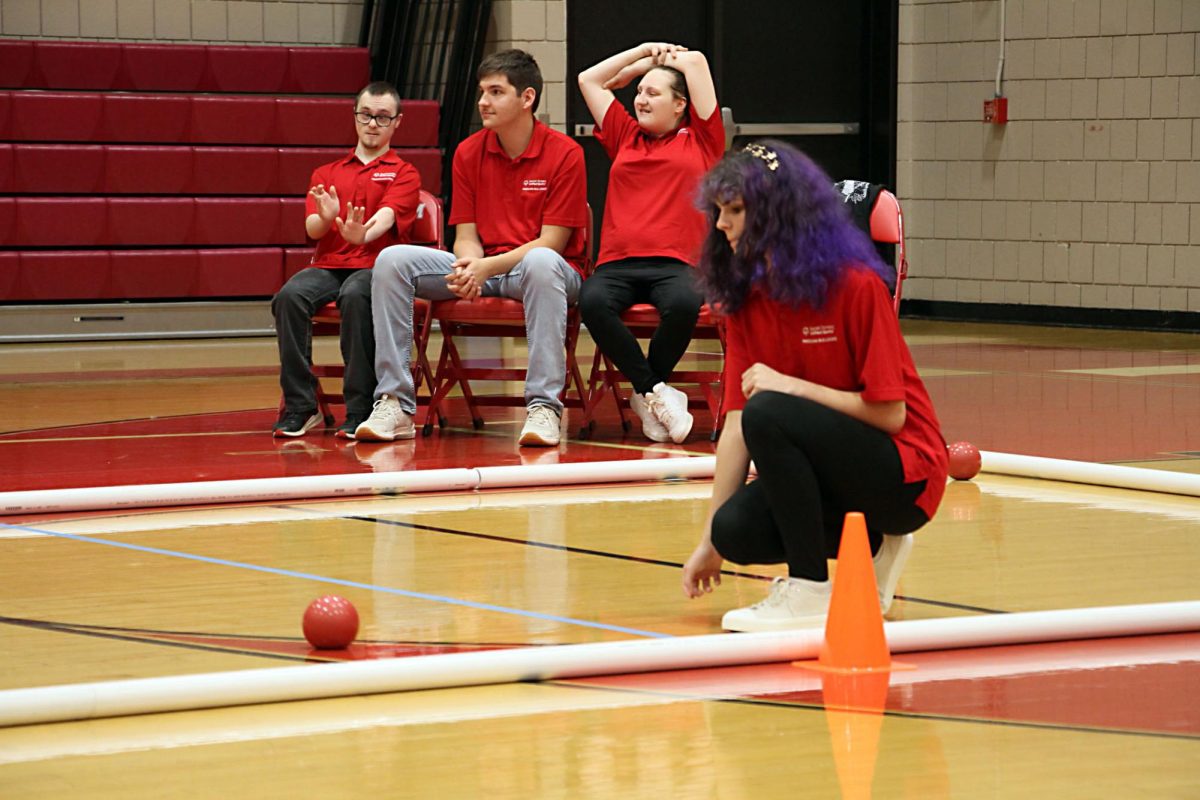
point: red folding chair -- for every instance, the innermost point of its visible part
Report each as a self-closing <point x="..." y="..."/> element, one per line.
<point x="642" y="320"/>
<point x="887" y="227"/>
<point x="495" y="317"/>
<point x="427" y="230"/>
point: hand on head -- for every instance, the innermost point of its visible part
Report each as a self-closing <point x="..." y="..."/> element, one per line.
<point x="661" y="51"/>
<point x="657" y="54"/>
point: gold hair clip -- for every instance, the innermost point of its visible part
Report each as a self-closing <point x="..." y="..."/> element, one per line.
<point x="768" y="156"/>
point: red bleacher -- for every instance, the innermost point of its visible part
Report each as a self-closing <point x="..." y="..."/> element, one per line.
<point x="155" y="171"/>
<point x="125" y="66"/>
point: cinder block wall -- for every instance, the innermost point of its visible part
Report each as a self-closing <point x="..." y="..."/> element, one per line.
<point x="540" y="28"/>
<point x="1090" y="196"/>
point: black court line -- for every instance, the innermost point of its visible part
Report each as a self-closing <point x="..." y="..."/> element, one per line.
<point x="57" y="627"/>
<point x="620" y="556"/>
<point x="136" y="635"/>
<point x="747" y="701"/>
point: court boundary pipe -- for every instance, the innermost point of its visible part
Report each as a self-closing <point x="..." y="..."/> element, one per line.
<point x="310" y="682"/>
<point x="1114" y="475"/>
<point x="314" y="487"/>
<point x="311" y="487"/>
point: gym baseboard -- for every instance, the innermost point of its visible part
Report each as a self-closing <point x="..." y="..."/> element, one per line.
<point x="1117" y="318"/>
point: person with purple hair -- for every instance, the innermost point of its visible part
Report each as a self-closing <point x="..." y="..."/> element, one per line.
<point x="820" y="391"/>
<point x="651" y="233"/>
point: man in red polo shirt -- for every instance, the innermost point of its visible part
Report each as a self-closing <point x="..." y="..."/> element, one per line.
<point x="379" y="191"/>
<point x="519" y="202"/>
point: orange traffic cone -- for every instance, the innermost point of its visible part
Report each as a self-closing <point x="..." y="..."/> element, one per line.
<point x="854" y="639"/>
<point x="854" y="629"/>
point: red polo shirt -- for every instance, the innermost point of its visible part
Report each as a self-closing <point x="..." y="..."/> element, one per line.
<point x="510" y="199"/>
<point x="853" y="344"/>
<point x="387" y="182"/>
<point x="650" y="209"/>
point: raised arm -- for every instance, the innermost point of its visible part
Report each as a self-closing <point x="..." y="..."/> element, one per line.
<point x="694" y="67"/>
<point x="598" y="82"/>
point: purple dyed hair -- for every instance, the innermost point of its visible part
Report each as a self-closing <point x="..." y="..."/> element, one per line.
<point x="798" y="237"/>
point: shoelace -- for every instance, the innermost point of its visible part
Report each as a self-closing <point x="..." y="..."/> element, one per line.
<point x="661" y="410"/>
<point x="540" y="415"/>
<point x="775" y="596"/>
<point x="383" y="408"/>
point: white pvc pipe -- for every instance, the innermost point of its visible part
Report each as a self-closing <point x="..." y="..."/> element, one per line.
<point x="651" y="469"/>
<point x="235" y="491"/>
<point x="1055" y="469"/>
<point x="176" y="693"/>
<point x="383" y="483"/>
<point x="46" y="501"/>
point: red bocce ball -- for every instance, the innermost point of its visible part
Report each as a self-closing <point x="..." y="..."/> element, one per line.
<point x="330" y="623"/>
<point x="964" y="461"/>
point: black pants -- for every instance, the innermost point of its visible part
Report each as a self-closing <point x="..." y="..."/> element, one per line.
<point x="666" y="284"/>
<point x="294" y="306"/>
<point x="814" y="465"/>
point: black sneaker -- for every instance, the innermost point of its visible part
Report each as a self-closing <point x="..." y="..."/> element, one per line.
<point x="296" y="423"/>
<point x="346" y="431"/>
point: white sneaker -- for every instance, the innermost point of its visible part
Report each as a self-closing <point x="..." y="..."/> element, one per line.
<point x="541" y="427"/>
<point x="669" y="407"/>
<point x="889" y="563"/>
<point x="387" y="422"/>
<point x="791" y="603"/>
<point x="652" y="429"/>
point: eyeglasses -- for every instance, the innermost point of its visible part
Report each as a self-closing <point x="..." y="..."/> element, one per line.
<point x="382" y="120"/>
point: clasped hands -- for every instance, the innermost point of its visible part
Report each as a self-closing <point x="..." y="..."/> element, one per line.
<point x="467" y="277"/>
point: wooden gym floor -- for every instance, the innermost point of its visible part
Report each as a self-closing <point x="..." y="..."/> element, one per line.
<point x="111" y="595"/>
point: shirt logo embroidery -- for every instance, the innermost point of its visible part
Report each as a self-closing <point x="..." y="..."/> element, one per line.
<point x="383" y="176"/>
<point x="818" y="334"/>
<point x="534" y="185"/>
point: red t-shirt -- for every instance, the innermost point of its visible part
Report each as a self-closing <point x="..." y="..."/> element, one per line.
<point x="510" y="199"/>
<point x="853" y="344"/>
<point x="387" y="182"/>
<point x="650" y="208"/>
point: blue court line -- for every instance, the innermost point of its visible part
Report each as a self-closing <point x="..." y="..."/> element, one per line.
<point x="287" y="573"/>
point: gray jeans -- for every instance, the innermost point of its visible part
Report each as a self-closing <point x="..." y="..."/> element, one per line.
<point x="543" y="281"/>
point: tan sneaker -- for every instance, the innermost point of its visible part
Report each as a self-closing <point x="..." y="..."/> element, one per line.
<point x="889" y="563"/>
<point x="669" y="407"/>
<point x="387" y="422"/>
<point x="541" y="427"/>
<point x="791" y="603"/>
<point x="652" y="429"/>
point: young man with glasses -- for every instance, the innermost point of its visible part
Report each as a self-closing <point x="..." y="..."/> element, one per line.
<point x="519" y="206"/>
<point x="357" y="206"/>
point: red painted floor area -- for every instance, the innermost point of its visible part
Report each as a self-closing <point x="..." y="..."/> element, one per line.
<point x="239" y="445"/>
<point x="1002" y="397"/>
<point x="1026" y="400"/>
<point x="1129" y="684"/>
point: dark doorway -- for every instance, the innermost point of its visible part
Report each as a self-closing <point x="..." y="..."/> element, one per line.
<point x="817" y="73"/>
